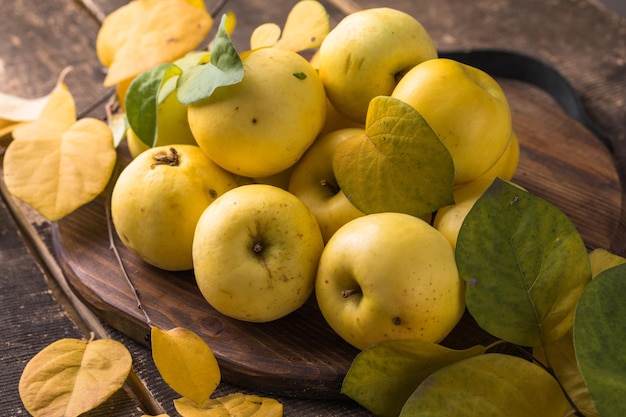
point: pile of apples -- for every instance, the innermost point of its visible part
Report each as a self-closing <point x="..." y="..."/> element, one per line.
<point x="242" y="189"/>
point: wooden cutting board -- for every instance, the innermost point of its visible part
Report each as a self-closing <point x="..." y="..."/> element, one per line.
<point x="300" y="355"/>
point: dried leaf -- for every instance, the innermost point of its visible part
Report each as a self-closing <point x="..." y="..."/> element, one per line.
<point x="145" y="33"/>
<point x="231" y="405"/>
<point x="18" y="109"/>
<point x="186" y="363"/>
<point x="265" y="35"/>
<point x="57" y="164"/>
<point x="306" y="26"/>
<point x="71" y="376"/>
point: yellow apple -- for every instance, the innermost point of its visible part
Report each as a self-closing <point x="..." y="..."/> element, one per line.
<point x="365" y="55"/>
<point x="255" y="253"/>
<point x="389" y="276"/>
<point x="449" y="219"/>
<point x="506" y="166"/>
<point x="158" y="199"/>
<point x="314" y="182"/>
<point x="467" y="109"/>
<point x="262" y="125"/>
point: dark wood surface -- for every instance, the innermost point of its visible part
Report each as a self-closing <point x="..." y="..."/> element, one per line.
<point x="580" y="38"/>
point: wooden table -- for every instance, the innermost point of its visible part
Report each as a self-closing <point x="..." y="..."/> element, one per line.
<point x="583" y="40"/>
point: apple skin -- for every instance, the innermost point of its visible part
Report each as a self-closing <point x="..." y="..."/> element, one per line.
<point x="467" y="109"/>
<point x="314" y="182"/>
<point x="155" y="206"/>
<point x="255" y="253"/>
<point x="401" y="280"/>
<point x="261" y="126"/>
<point x="366" y="53"/>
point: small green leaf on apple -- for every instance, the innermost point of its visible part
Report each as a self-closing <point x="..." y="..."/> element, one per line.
<point x="225" y="68"/>
<point x="145" y="93"/>
<point x="383" y="376"/>
<point x="398" y="164"/>
<point x="599" y="340"/>
<point x="528" y="264"/>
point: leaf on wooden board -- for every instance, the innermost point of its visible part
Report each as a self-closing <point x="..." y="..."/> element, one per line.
<point x="71" y="376"/>
<point x="225" y="68"/>
<point x="382" y="377"/>
<point x="488" y="385"/>
<point x="19" y="109"/>
<point x="306" y="26"/>
<point x="231" y="405"/>
<point x="145" y="33"/>
<point x="525" y="264"/>
<point x="560" y="357"/>
<point x="398" y="164"/>
<point x="186" y="363"/>
<point x="56" y="163"/>
<point x="599" y="340"/>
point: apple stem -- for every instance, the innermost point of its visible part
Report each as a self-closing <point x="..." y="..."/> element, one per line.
<point x="352" y="291"/>
<point x="330" y="185"/>
<point x="163" y="158"/>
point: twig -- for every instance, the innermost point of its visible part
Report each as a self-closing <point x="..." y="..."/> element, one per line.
<point x="113" y="247"/>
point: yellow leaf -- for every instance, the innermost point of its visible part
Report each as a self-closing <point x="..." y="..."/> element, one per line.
<point x="306" y="27"/>
<point x="561" y="358"/>
<point x="145" y="33"/>
<point x="71" y="376"/>
<point x="18" y="109"/>
<point x="185" y="362"/>
<point x="267" y="34"/>
<point x="231" y="405"/>
<point x="55" y="168"/>
<point x="14" y="111"/>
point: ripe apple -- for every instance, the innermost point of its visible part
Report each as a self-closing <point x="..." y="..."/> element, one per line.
<point x="158" y="199"/>
<point x="314" y="182"/>
<point x="389" y="276"/>
<point x="506" y="166"/>
<point x="449" y="219"/>
<point x="262" y="125"/>
<point x="467" y="109"/>
<point x="255" y="253"/>
<point x="365" y="55"/>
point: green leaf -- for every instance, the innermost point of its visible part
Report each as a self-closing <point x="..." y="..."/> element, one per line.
<point x="599" y="340"/>
<point x="525" y="265"/>
<point x="70" y="376"/>
<point x="143" y="97"/>
<point x="225" y="68"/>
<point x="383" y="376"/>
<point x="186" y="363"/>
<point x="488" y="385"/>
<point x="399" y="164"/>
